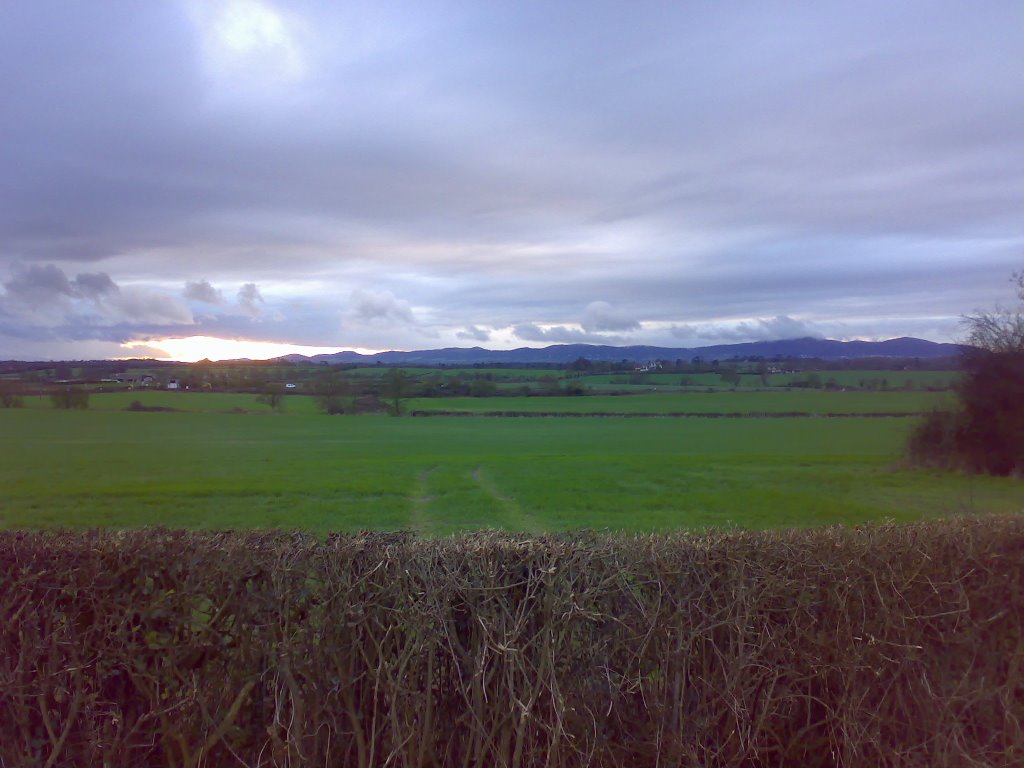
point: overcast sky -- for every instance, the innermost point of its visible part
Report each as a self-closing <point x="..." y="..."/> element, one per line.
<point x="388" y="175"/>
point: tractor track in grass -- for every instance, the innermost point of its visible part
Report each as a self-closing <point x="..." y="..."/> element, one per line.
<point x="514" y="514"/>
<point x="419" y="500"/>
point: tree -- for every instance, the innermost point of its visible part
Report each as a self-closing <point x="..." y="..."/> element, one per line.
<point x="273" y="396"/>
<point x="985" y="432"/>
<point x="730" y="375"/>
<point x="333" y="393"/>
<point x="70" y="398"/>
<point x="10" y="394"/>
<point x="396" y="384"/>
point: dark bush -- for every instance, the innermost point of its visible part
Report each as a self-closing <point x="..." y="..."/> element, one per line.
<point x="881" y="646"/>
<point x="992" y="412"/>
<point x="70" y="398"/>
<point x="10" y="394"/>
<point x="934" y="441"/>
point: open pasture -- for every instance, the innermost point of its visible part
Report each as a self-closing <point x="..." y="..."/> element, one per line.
<point x="441" y="475"/>
<point x="870" y="380"/>
<point x="782" y="401"/>
<point x="792" y="401"/>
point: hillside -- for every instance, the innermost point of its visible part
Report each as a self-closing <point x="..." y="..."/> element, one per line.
<point x="825" y="349"/>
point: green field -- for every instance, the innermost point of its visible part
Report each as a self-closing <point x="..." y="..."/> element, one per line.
<point x="783" y="401"/>
<point x="441" y="475"/>
<point x="855" y="378"/>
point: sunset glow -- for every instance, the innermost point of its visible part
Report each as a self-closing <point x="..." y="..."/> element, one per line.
<point x="194" y="348"/>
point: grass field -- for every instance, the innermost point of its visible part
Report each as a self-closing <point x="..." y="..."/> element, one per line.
<point x="782" y="401"/>
<point x="441" y="475"/>
<point x="861" y="379"/>
<point x="792" y="401"/>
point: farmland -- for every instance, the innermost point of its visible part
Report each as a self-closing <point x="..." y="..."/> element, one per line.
<point x="223" y="460"/>
<point x="815" y="402"/>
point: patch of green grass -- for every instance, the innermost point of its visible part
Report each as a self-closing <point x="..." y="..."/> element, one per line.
<point x="627" y="381"/>
<point x="793" y="401"/>
<point x="193" y="402"/>
<point x="873" y="379"/>
<point x="440" y="475"/>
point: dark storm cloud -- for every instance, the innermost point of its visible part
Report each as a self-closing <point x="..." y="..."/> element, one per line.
<point x="483" y="172"/>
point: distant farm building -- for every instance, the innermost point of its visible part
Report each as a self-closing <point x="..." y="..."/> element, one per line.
<point x="135" y="379"/>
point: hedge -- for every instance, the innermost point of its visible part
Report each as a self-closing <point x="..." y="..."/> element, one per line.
<point x="887" y="646"/>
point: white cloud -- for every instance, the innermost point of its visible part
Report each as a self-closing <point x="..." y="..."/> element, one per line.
<point x="249" y="40"/>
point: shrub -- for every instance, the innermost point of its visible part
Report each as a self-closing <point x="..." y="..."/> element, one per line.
<point x="69" y="398"/>
<point x="933" y="442"/>
<point x="986" y="433"/>
<point x="10" y="394"/>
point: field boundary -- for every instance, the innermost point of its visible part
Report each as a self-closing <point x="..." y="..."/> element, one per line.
<point x="876" y="645"/>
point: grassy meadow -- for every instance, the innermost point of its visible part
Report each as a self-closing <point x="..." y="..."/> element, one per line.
<point x="781" y="401"/>
<point x="224" y="461"/>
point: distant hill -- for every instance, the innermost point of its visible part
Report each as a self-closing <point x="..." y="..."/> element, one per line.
<point x="825" y="349"/>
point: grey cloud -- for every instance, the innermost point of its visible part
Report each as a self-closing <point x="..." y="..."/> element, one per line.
<point x="41" y="299"/>
<point x="35" y="284"/>
<point x="472" y="333"/>
<point x="761" y="329"/>
<point x="143" y="305"/>
<point x="562" y="334"/>
<point x="371" y="306"/>
<point x="602" y="316"/>
<point x="684" y="159"/>
<point x="94" y="285"/>
<point x="203" y="291"/>
<point x="250" y="300"/>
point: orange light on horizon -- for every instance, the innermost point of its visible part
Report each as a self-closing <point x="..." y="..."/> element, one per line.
<point x="191" y="349"/>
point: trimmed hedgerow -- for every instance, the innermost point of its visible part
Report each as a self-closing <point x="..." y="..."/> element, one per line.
<point x="889" y="645"/>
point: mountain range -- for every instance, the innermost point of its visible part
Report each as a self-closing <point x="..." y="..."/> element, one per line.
<point x="808" y="347"/>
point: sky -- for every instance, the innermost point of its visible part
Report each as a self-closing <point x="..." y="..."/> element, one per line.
<point x="228" y="178"/>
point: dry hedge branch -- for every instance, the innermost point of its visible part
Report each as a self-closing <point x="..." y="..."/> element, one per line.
<point x="889" y="645"/>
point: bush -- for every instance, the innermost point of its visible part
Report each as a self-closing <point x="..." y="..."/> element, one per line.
<point x="934" y="441"/>
<point x="991" y="395"/>
<point x="10" y="394"/>
<point x="70" y="398"/>
<point x="986" y="433"/>
<point x="882" y="646"/>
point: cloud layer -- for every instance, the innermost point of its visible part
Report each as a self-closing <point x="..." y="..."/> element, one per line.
<point x="401" y="174"/>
